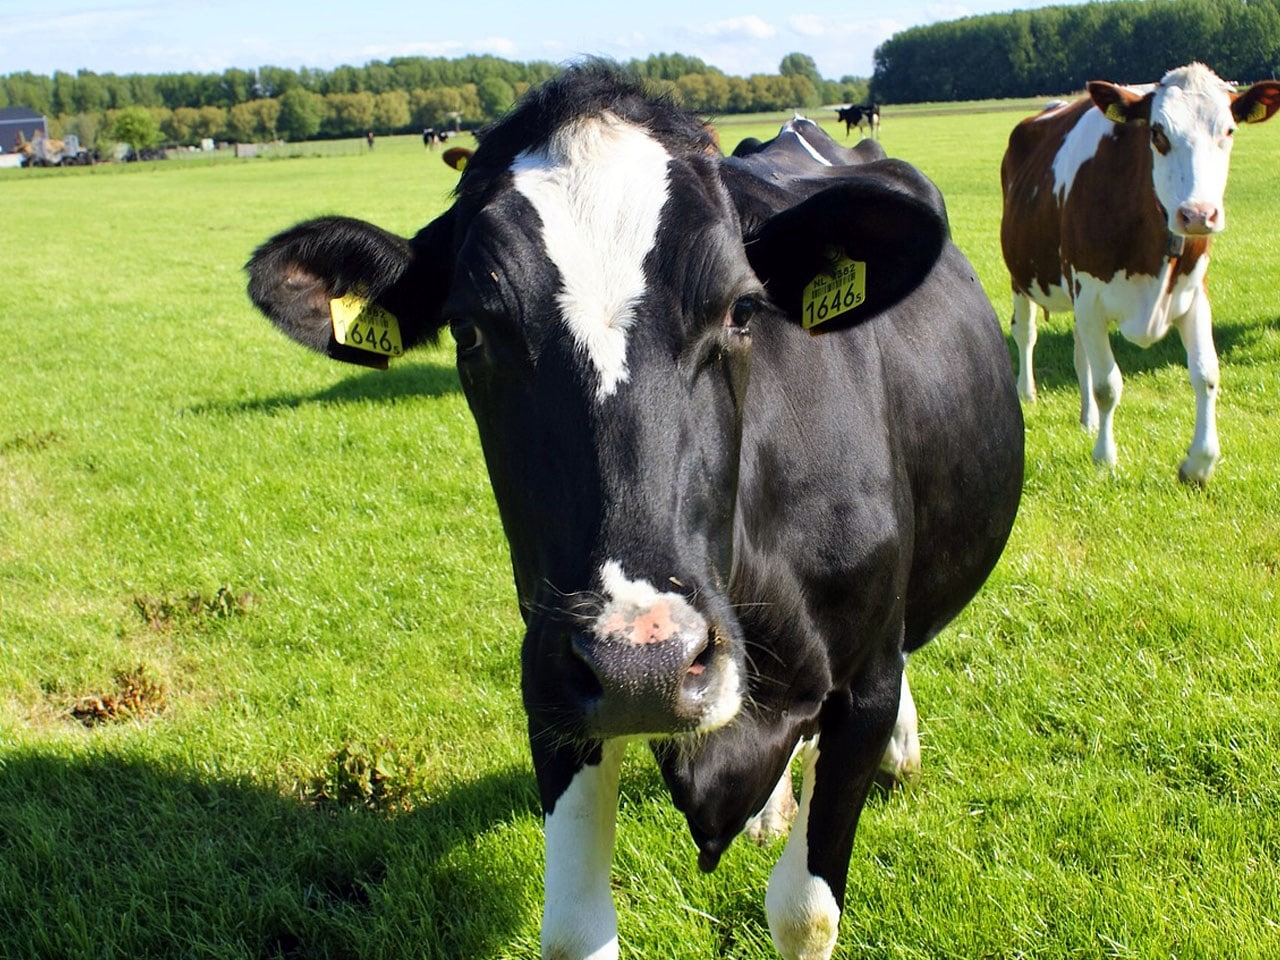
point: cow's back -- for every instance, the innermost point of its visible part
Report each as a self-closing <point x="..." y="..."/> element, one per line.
<point x="1031" y="225"/>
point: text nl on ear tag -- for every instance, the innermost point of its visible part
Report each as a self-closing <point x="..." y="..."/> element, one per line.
<point x="363" y="325"/>
<point x="833" y="293"/>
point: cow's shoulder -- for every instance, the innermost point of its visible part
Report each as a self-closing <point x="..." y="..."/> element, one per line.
<point x="1037" y="140"/>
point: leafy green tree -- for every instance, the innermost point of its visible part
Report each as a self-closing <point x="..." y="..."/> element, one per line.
<point x="801" y="65"/>
<point x="496" y="96"/>
<point x="212" y="122"/>
<point x="181" y="127"/>
<point x="301" y="114"/>
<point x="137" y="127"/>
<point x="391" y="111"/>
<point x="348" y="114"/>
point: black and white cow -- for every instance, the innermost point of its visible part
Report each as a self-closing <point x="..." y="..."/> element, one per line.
<point x="726" y="532"/>
<point x="860" y="115"/>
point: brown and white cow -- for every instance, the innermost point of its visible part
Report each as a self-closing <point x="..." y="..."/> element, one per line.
<point x="1109" y="206"/>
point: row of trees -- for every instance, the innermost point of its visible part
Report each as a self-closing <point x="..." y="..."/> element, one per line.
<point x="1059" y="49"/>
<point x="403" y="94"/>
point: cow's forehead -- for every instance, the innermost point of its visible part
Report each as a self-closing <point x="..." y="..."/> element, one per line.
<point x="599" y="186"/>
<point x="1191" y="100"/>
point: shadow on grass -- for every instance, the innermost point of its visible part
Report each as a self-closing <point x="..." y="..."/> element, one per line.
<point x="1055" y="352"/>
<point x="386" y="386"/>
<point x="102" y="856"/>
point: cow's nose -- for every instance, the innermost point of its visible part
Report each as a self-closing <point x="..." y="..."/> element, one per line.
<point x="653" y="676"/>
<point x="1197" y="219"/>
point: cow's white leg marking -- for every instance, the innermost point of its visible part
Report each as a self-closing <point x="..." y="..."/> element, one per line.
<point x="1023" y="327"/>
<point x="1091" y="326"/>
<point x="774" y="818"/>
<point x="599" y="187"/>
<point x="1196" y="330"/>
<point x="578" y="918"/>
<point x="804" y="919"/>
<point x="901" y="758"/>
<point x="1088" y="408"/>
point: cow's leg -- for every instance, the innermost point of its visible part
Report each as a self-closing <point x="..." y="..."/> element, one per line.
<point x="1023" y="328"/>
<point x="580" y="803"/>
<point x="1107" y="385"/>
<point x="807" y="886"/>
<point x="1196" y="330"/>
<point x="1088" y="407"/>
<point x="779" y="810"/>
<point x="901" y="761"/>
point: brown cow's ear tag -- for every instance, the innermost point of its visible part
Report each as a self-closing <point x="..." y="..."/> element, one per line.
<point x="833" y="293"/>
<point x="1115" y="113"/>
<point x="360" y="324"/>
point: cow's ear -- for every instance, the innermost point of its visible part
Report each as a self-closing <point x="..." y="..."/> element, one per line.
<point x="1258" y="103"/>
<point x="869" y="239"/>
<point x="333" y="282"/>
<point x="1121" y="105"/>
<point x="457" y="157"/>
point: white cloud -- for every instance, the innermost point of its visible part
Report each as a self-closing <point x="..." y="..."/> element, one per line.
<point x="749" y="27"/>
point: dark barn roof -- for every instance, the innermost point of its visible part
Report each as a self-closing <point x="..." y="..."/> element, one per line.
<point x="24" y="121"/>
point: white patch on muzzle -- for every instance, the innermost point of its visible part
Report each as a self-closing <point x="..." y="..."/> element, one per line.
<point x="599" y="187"/>
<point x="636" y="609"/>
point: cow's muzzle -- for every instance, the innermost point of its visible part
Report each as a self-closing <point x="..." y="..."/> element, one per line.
<point x="657" y="669"/>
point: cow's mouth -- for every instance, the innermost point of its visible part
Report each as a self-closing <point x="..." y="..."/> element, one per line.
<point x="681" y="685"/>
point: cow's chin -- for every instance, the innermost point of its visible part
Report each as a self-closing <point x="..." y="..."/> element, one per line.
<point x="707" y="702"/>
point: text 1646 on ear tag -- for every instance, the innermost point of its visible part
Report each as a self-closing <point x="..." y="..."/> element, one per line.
<point x="362" y="324"/>
<point x="833" y="293"/>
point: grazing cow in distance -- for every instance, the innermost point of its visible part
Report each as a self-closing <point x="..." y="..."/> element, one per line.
<point x="860" y="115"/>
<point x="1110" y="204"/>
<point x="753" y="435"/>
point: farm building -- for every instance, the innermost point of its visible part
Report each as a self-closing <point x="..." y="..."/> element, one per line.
<point x="18" y="124"/>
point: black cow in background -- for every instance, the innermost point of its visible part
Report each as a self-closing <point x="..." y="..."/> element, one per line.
<point x="860" y="115"/>
<point x="753" y="434"/>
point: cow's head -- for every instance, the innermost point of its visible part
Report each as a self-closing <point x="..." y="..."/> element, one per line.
<point x="602" y="271"/>
<point x="1192" y="117"/>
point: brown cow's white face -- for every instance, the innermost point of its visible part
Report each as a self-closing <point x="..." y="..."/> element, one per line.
<point x="1191" y="136"/>
<point x="1193" y="115"/>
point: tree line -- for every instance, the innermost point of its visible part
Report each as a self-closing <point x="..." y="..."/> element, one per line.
<point x="1059" y="49"/>
<point x="402" y="94"/>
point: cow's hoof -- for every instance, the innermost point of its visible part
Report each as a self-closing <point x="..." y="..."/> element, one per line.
<point x="1196" y="471"/>
<point x="1193" y="475"/>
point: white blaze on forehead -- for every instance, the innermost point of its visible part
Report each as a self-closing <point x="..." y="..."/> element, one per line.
<point x="599" y="187"/>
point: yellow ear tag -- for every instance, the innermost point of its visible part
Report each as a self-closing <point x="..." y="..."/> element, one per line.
<point x="1115" y="113"/>
<point x="829" y="295"/>
<point x="1258" y="113"/>
<point x="359" y="323"/>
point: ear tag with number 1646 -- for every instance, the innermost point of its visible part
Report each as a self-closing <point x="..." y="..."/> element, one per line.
<point x="364" y="325"/>
<point x="834" y="292"/>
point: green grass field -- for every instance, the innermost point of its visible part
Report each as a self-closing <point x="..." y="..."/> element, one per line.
<point x="259" y="646"/>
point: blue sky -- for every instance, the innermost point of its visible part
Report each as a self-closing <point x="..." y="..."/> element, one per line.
<point x="147" y="36"/>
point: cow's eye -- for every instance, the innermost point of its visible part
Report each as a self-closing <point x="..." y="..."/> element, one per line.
<point x="1160" y="139"/>
<point x="466" y="335"/>
<point x="740" y="314"/>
